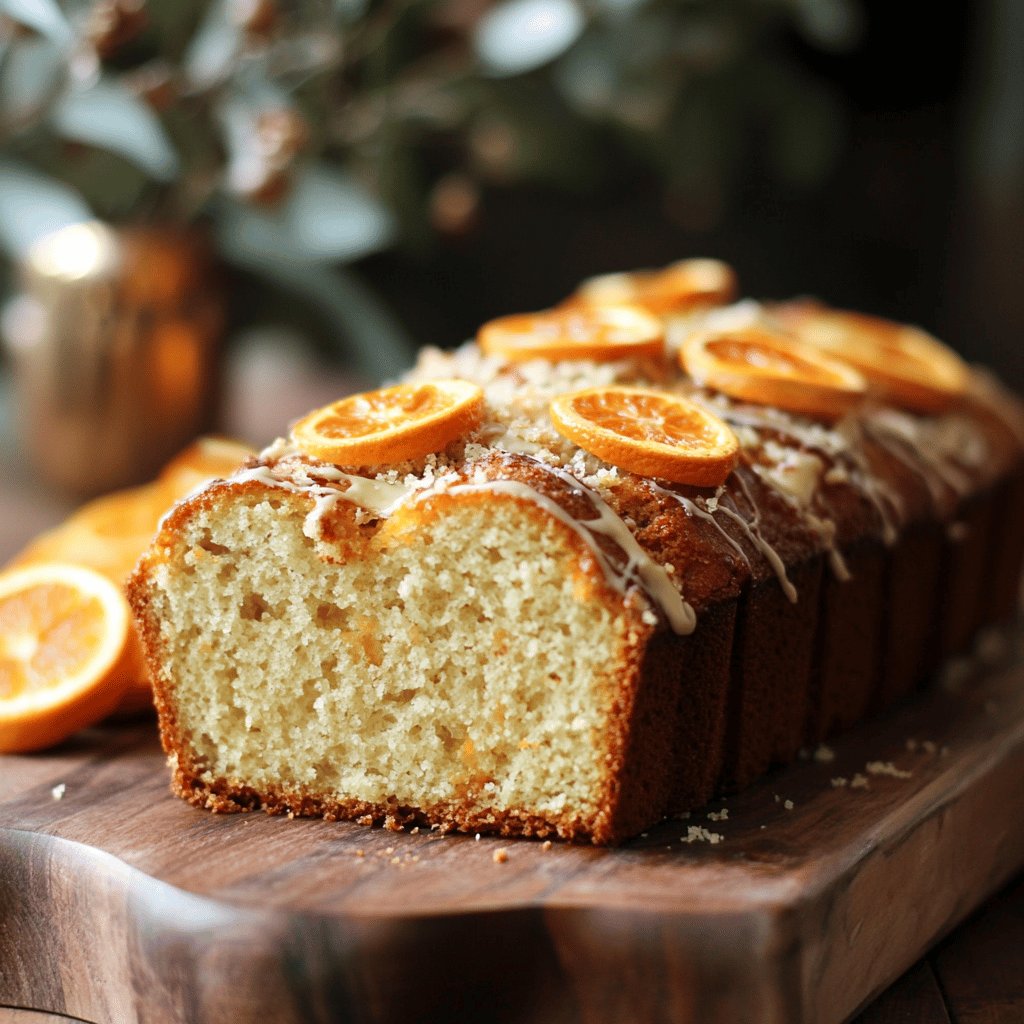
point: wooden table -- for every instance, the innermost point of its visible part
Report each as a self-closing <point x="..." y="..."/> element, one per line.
<point x="974" y="976"/>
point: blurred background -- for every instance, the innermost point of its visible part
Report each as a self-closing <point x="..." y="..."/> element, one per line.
<point x="287" y="198"/>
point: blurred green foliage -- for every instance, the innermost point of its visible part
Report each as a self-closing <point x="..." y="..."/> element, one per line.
<point x="325" y="130"/>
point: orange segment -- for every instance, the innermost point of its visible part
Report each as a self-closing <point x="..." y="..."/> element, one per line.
<point x="676" y="288"/>
<point x="601" y="333"/>
<point x="648" y="432"/>
<point x="391" y="424"/>
<point x="64" y="653"/>
<point x="757" y="365"/>
<point x="904" y="363"/>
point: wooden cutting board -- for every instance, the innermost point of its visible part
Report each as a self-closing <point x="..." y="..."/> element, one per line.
<point x="119" y="903"/>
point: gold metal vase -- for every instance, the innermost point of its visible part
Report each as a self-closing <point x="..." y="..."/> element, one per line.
<point x="115" y="351"/>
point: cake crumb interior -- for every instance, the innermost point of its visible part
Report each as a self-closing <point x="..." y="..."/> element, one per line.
<point x="450" y="665"/>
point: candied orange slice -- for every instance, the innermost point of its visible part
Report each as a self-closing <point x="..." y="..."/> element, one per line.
<point x="64" y="653"/>
<point x="678" y="287"/>
<point x="652" y="433"/>
<point x="391" y="424"/>
<point x="769" y="368"/>
<point x="907" y="365"/>
<point x="601" y="333"/>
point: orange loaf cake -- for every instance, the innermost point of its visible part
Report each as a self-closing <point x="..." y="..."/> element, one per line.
<point x="587" y="571"/>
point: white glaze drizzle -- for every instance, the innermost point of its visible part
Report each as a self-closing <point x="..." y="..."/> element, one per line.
<point x="374" y="495"/>
<point x="752" y="527"/>
<point x="905" y="438"/>
<point x="840" y="449"/>
<point x="693" y="509"/>
<point x="654" y="578"/>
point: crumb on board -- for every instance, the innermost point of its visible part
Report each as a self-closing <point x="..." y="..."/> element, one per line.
<point x="546" y="845"/>
<point x="500" y="855"/>
<point x="859" y="781"/>
<point x="699" y="834"/>
<point x="824" y="754"/>
<point x="360" y="853"/>
<point x="722" y="815"/>
<point x="788" y="804"/>
<point x="58" y="791"/>
<point x="886" y="768"/>
<point x="839" y="781"/>
<point x="415" y="830"/>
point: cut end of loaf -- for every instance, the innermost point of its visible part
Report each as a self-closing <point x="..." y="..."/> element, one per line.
<point x="449" y="665"/>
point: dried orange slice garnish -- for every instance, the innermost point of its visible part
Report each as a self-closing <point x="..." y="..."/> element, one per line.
<point x="906" y="364"/>
<point x="652" y="433"/>
<point x="680" y="286"/>
<point x="601" y="333"/>
<point x="391" y="424"/>
<point x="769" y="368"/>
<point x="64" y="653"/>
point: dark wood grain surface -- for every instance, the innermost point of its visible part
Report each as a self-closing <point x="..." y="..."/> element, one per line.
<point x="122" y="904"/>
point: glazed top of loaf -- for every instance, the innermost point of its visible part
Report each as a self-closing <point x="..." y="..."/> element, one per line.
<point x="802" y="488"/>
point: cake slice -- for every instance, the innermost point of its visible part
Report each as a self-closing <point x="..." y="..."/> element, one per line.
<point x="463" y="660"/>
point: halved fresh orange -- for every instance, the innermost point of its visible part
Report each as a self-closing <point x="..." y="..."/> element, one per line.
<point x="678" y="287"/>
<point x="771" y="368"/>
<point x="600" y="333"/>
<point x="391" y="424"/>
<point x="652" y="433"/>
<point x="110" y="533"/>
<point x="908" y="365"/>
<point x="65" y="657"/>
